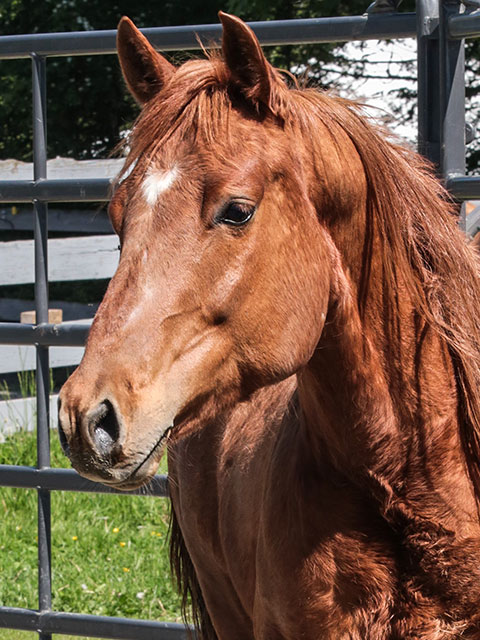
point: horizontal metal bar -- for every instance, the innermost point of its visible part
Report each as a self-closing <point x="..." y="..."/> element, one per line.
<point x="273" y="32"/>
<point x="58" y="335"/>
<point x="69" y="480"/>
<point x="91" y="189"/>
<point x="465" y="25"/>
<point x="464" y="187"/>
<point x="75" y="190"/>
<point x="87" y="625"/>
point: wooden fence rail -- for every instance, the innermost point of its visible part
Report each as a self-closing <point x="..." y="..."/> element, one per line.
<point x="82" y="258"/>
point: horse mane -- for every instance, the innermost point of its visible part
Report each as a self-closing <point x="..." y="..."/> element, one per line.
<point x="192" y="603"/>
<point x="421" y="248"/>
<point x="410" y="212"/>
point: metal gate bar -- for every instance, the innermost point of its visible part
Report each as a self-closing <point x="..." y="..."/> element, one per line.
<point x="58" y="335"/>
<point x="272" y="32"/>
<point x="40" y="230"/>
<point x="440" y="29"/>
<point x="69" y="480"/>
<point x="48" y="622"/>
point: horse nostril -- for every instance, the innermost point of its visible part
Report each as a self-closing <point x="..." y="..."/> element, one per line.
<point x="104" y="427"/>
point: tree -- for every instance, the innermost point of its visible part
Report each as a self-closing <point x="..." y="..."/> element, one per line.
<point x="87" y="102"/>
<point x="472" y="93"/>
<point x="88" y="106"/>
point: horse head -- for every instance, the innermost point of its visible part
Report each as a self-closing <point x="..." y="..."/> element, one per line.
<point x="224" y="277"/>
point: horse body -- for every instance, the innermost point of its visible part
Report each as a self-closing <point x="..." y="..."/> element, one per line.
<point x="304" y="551"/>
<point x="294" y="315"/>
<point x="267" y="554"/>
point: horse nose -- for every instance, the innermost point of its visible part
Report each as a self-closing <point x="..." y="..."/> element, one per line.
<point x="102" y="426"/>
<point x="105" y="428"/>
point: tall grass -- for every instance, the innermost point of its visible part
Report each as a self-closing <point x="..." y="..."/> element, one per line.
<point x="26" y="386"/>
<point x="109" y="552"/>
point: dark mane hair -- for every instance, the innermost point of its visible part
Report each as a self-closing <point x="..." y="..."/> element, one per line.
<point x="409" y="211"/>
<point x="192" y="603"/>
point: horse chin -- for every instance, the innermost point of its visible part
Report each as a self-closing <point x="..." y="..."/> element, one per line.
<point x="144" y="471"/>
<point x="133" y="482"/>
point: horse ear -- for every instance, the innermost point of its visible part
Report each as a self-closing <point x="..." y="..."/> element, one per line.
<point x="244" y="57"/>
<point x="144" y="69"/>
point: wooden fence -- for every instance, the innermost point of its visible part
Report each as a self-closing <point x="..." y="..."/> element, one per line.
<point x="86" y="257"/>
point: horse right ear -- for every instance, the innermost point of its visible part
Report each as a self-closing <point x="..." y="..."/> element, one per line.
<point x="144" y="69"/>
<point x="244" y="57"/>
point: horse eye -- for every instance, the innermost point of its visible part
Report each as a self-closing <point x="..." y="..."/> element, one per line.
<point x="235" y="214"/>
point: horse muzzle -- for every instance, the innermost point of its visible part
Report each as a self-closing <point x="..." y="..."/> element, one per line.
<point x="96" y="442"/>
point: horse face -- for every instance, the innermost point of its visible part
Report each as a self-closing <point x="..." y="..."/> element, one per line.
<point x="222" y="285"/>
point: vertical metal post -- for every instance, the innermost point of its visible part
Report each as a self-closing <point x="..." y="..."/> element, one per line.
<point x="428" y="86"/>
<point x="452" y="97"/>
<point x="40" y="212"/>
<point x="441" y="90"/>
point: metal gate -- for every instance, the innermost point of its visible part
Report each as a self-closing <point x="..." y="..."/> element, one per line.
<point x="439" y="25"/>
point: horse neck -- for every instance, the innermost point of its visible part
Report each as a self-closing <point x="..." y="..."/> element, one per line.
<point x="230" y="434"/>
<point x="379" y="400"/>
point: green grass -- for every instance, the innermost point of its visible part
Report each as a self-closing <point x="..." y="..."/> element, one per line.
<point x="109" y="552"/>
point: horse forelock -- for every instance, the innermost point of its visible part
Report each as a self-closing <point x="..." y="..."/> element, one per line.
<point x="192" y="106"/>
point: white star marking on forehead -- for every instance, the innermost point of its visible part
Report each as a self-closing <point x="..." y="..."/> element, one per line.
<point x="158" y="182"/>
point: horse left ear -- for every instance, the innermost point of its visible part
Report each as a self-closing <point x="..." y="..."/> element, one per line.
<point x="144" y="69"/>
<point x="244" y="57"/>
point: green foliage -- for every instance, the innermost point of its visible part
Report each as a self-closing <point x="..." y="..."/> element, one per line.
<point x="472" y="95"/>
<point x="87" y="104"/>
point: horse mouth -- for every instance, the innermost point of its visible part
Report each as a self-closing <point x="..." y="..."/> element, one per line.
<point x="144" y="471"/>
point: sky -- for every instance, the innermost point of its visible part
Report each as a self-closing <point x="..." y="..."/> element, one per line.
<point x="382" y="78"/>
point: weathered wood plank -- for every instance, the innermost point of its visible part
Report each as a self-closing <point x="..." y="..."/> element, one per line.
<point x="55" y="316"/>
<point x="16" y="415"/>
<point x="83" y="258"/>
<point x="60" y="168"/>
<point x="473" y="217"/>
<point x="19" y="358"/>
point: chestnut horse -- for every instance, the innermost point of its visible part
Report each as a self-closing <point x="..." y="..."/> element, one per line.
<point x="295" y="318"/>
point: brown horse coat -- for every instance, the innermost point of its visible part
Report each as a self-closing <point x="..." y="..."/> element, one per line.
<point x="296" y="314"/>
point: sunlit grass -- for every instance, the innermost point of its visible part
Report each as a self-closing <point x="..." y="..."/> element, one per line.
<point x="109" y="552"/>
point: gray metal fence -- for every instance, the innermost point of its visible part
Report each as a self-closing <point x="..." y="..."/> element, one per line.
<point x="439" y="25"/>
